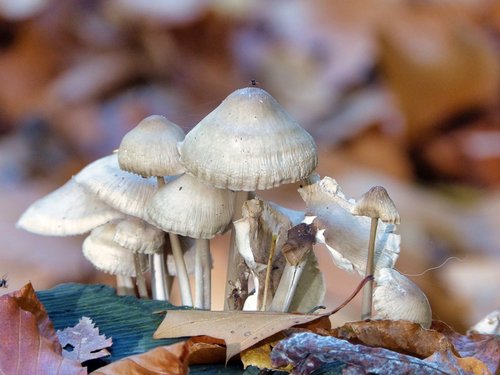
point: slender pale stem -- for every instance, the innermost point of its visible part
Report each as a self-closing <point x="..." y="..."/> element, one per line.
<point x="159" y="278"/>
<point x="234" y="257"/>
<point x="182" y="274"/>
<point x="206" y="263"/>
<point x="140" y="280"/>
<point x="366" y="305"/>
<point x="124" y="286"/>
<point x="287" y="286"/>
<point x="198" y="276"/>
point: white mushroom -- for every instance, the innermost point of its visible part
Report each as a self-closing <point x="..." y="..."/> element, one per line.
<point x="67" y="211"/>
<point x="375" y="204"/>
<point x="191" y="208"/>
<point x="397" y="298"/>
<point x="150" y="150"/>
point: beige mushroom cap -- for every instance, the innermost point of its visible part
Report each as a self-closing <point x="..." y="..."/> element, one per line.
<point x="68" y="210"/>
<point x="376" y="203"/>
<point x="150" y="149"/>
<point x="106" y="255"/>
<point x="138" y="236"/>
<point x="397" y="298"/>
<point x="187" y="207"/>
<point x="121" y="190"/>
<point x="248" y="142"/>
<point x="344" y="234"/>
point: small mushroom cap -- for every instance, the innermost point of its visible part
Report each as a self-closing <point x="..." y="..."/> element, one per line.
<point x="187" y="207"/>
<point x="397" y="298"/>
<point x="248" y="142"/>
<point x="150" y="149"/>
<point x="68" y="210"/>
<point x="376" y="203"/>
<point x="345" y="235"/>
<point x="121" y="190"/>
<point x="106" y="255"/>
<point x="138" y="236"/>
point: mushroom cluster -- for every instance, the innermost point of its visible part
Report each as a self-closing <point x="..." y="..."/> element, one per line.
<point x="196" y="186"/>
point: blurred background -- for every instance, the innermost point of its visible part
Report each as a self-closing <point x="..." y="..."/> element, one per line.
<point x="401" y="93"/>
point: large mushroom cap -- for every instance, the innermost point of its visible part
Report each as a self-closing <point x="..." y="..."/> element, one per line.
<point x="121" y="190"/>
<point x="68" y="210"/>
<point x="150" y="149"/>
<point x="248" y="142"/>
<point x="187" y="207"/>
<point x="106" y="255"/>
<point x="397" y="298"/>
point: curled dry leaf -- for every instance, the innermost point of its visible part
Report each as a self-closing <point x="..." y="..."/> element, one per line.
<point x="308" y="351"/>
<point x="29" y="342"/>
<point x="483" y="347"/>
<point x="171" y="359"/>
<point x="240" y="330"/>
<point x="205" y="350"/>
<point x="85" y="341"/>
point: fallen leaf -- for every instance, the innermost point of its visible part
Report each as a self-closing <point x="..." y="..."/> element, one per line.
<point x="171" y="360"/>
<point x="85" y="341"/>
<point x="29" y="342"/>
<point x="308" y="351"/>
<point x="400" y="336"/>
<point x="205" y="350"/>
<point x="239" y="329"/>
<point x="486" y="348"/>
<point x="259" y="356"/>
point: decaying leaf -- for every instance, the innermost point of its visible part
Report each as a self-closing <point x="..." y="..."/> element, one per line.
<point x="260" y="356"/>
<point x="29" y="342"/>
<point x="239" y="329"/>
<point x="308" y="351"/>
<point x="84" y="341"/>
<point x="171" y="359"/>
<point x="205" y="350"/>
<point x="485" y="348"/>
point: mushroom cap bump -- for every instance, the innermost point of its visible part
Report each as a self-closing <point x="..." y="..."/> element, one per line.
<point x="106" y="255"/>
<point x="188" y="207"/>
<point x="67" y="211"/>
<point x="124" y="191"/>
<point x="248" y="142"/>
<point x="150" y="149"/>
<point x="376" y="203"/>
<point x="397" y="298"/>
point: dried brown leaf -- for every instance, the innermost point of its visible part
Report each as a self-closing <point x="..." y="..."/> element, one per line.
<point x="239" y="329"/>
<point x="308" y="351"/>
<point x="205" y="350"/>
<point x="171" y="360"/>
<point x="486" y="348"/>
<point x="85" y="341"/>
<point x="29" y="342"/>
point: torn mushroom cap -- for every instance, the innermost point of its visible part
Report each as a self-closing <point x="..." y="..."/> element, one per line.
<point x="248" y="142"/>
<point x="376" y="203"/>
<point x="106" y="255"/>
<point x="187" y="207"/>
<point x="121" y="190"/>
<point x="397" y="298"/>
<point x="150" y="149"/>
<point x="138" y="236"/>
<point x="345" y="235"/>
<point x="68" y="210"/>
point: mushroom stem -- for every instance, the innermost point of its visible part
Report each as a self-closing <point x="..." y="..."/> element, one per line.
<point x="287" y="287"/>
<point x="268" y="274"/>
<point x="140" y="280"/>
<point x="234" y="257"/>
<point x="182" y="274"/>
<point x="206" y="264"/>
<point x="124" y="286"/>
<point x="160" y="281"/>
<point x="202" y="274"/>
<point x="366" y="305"/>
